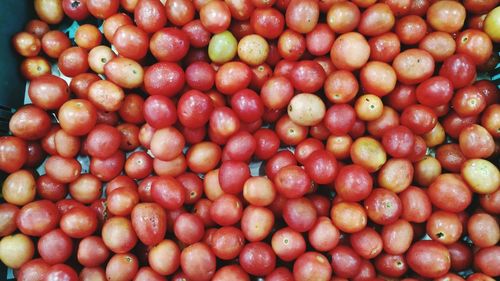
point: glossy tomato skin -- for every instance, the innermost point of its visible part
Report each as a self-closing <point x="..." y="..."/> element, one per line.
<point x="79" y="222"/>
<point x="345" y="262"/>
<point x="150" y="15"/>
<point x="419" y="119"/>
<point x="169" y="44"/>
<point x="383" y="206"/>
<point x="103" y="9"/>
<point x="247" y="105"/>
<point x="92" y="251"/>
<point x="398" y="141"/>
<point x="257" y="258"/>
<point x="131" y="41"/>
<point x="216" y="16"/>
<point x="194" y="109"/>
<point x="239" y="147"/>
<point x="77" y="117"/>
<point x="232" y="176"/>
<point x="61" y="272"/>
<point x="48" y="92"/>
<point x="13" y="153"/>
<point x="307" y="76"/>
<point x="103" y="141"/>
<point x="118" y="234"/>
<point x="449" y="192"/>
<point x="164" y="78"/>
<point x="353" y="183"/>
<point x="37" y="218"/>
<point x="75" y="9"/>
<point x="159" y="111"/>
<point x="429" y="259"/>
<point x="34" y="269"/>
<point x="459" y="69"/>
<point x="107" y="168"/>
<point x="149" y="222"/>
<point x="29" y="123"/>
<point x="267" y="22"/>
<point x="55" y="247"/>
<point x="435" y="91"/>
<point x="322" y="167"/>
<point x="121" y="266"/>
<point x="180" y="12"/>
<point x="198" y="262"/>
<point x="312" y="265"/>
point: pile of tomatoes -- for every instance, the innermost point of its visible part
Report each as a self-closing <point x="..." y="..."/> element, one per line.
<point x="278" y="139"/>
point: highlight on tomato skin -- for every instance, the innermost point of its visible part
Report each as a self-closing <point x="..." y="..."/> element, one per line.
<point x="241" y="139"/>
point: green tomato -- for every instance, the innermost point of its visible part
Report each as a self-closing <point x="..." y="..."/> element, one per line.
<point x="492" y="24"/>
<point x="222" y="47"/>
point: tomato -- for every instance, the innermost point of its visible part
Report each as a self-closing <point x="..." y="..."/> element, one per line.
<point x="227" y="242"/>
<point x="448" y="16"/>
<point x="343" y="17"/>
<point x="79" y="222"/>
<point x="118" y="234"/>
<point x="103" y="9"/>
<point x="167" y="137"/>
<point x="367" y="243"/>
<point x="36" y="27"/>
<point x="476" y="142"/>
<point x="159" y="111"/>
<point x="55" y="247"/>
<point x="413" y="66"/>
<point x="383" y="206"/>
<point x="13" y="153"/>
<point x="130" y="41"/>
<point x="8" y="213"/>
<point x="391" y="265"/>
<point x="203" y="157"/>
<point x="268" y="22"/>
<point x="376" y="20"/>
<point x="483" y="230"/>
<point x="50" y="11"/>
<point x="75" y="9"/>
<point x="353" y="183"/>
<point x="150" y="15"/>
<point x="222" y="47"/>
<point x="180" y="12"/>
<point x="491" y="24"/>
<point x="321" y="166"/>
<point x="121" y="267"/>
<point x="312" y="265"/>
<point x="107" y="168"/>
<point x="164" y="78"/>
<point x="34" y="269"/>
<point x="169" y="44"/>
<point x="198" y="262"/>
<point x="164" y="257"/>
<point x="257" y="258"/>
<point x="485" y="260"/>
<point x="232" y="77"/>
<point x="302" y="16"/>
<point x="435" y="91"/>
<point x="168" y="192"/>
<point x="459" y="68"/>
<point x="92" y="251"/>
<point x="64" y="170"/>
<point x="350" y="51"/>
<point x="37" y="218"/>
<point x="345" y="262"/>
<point x="429" y="259"/>
<point x="29" y="123"/>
